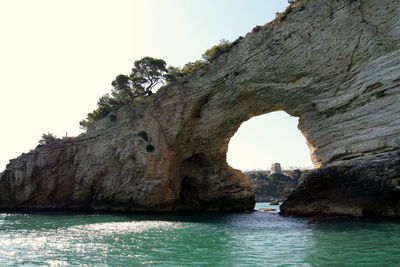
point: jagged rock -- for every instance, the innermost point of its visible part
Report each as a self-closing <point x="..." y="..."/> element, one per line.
<point x="333" y="64"/>
<point x="357" y="188"/>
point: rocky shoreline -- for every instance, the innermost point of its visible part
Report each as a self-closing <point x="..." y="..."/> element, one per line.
<point x="357" y="189"/>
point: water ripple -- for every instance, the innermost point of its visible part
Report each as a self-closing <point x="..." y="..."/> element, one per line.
<point x="256" y="239"/>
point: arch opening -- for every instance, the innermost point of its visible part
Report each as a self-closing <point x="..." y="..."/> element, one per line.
<point x="263" y="141"/>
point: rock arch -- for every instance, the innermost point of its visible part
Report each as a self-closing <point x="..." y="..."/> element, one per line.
<point x="333" y="64"/>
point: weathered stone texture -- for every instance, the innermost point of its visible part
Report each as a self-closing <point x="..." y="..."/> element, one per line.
<point x="333" y="64"/>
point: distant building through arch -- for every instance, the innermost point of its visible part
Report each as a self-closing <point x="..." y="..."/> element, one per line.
<point x="276" y="168"/>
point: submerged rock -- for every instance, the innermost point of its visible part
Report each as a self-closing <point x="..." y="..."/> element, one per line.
<point x="333" y="64"/>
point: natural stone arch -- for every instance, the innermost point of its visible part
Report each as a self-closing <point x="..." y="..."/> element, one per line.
<point x="333" y="64"/>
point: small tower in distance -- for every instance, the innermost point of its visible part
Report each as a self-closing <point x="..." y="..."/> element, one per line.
<point x="276" y="168"/>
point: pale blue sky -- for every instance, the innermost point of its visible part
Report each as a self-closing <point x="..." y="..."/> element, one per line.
<point x="267" y="139"/>
<point x="57" y="57"/>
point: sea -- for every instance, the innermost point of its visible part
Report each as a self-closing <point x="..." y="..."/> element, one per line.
<point x="194" y="239"/>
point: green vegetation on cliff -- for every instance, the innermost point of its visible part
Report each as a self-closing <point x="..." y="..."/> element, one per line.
<point x="209" y="56"/>
<point x="276" y="186"/>
<point x="47" y="139"/>
<point x="212" y="53"/>
<point x="145" y="75"/>
<point x="148" y="72"/>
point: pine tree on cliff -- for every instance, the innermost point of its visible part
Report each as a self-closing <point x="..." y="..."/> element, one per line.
<point x="146" y="73"/>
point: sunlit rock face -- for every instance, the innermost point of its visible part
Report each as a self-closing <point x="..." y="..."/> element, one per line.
<point x="333" y="64"/>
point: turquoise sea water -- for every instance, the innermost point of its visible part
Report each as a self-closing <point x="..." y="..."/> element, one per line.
<point x="209" y="239"/>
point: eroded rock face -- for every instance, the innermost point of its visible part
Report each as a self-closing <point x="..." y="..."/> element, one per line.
<point x="357" y="188"/>
<point x="333" y="64"/>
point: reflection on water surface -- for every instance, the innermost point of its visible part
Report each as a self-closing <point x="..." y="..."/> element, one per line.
<point x="214" y="239"/>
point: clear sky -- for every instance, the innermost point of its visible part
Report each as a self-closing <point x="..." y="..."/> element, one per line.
<point x="57" y="57"/>
<point x="267" y="139"/>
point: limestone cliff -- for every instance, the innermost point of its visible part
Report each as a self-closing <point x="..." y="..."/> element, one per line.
<point x="333" y="64"/>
